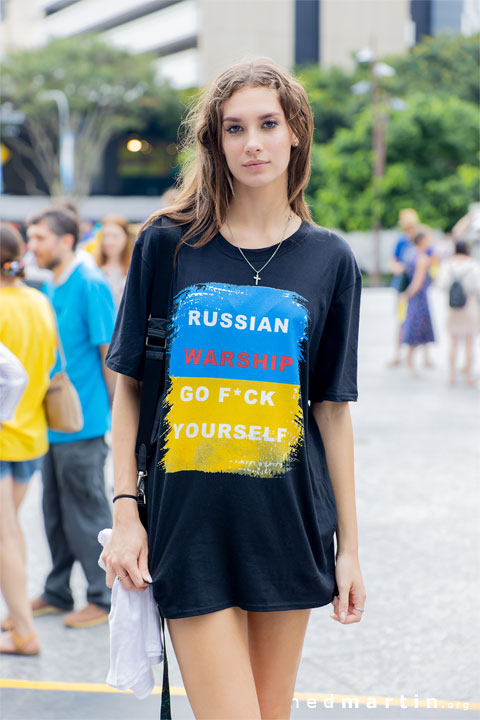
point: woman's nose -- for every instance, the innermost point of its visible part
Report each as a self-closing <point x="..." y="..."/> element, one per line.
<point x="253" y="142"/>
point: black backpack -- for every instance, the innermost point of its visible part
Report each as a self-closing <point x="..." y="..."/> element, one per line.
<point x="457" y="297"/>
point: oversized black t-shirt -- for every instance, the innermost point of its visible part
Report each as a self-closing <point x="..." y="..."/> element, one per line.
<point x="241" y="506"/>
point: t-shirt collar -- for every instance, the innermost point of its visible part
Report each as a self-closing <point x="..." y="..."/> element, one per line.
<point x="290" y="242"/>
<point x="76" y="260"/>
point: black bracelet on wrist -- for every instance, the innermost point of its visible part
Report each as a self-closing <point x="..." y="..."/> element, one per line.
<point x="133" y="497"/>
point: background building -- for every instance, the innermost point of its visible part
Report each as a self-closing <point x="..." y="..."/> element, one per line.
<point x="195" y="39"/>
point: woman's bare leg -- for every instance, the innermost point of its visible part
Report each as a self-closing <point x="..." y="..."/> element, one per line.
<point x="13" y="580"/>
<point x="469" y="360"/>
<point x="19" y="490"/>
<point x="410" y="363"/>
<point x="426" y="356"/>
<point x="212" y="653"/>
<point x="453" y="358"/>
<point x="397" y="358"/>
<point x="276" y="642"/>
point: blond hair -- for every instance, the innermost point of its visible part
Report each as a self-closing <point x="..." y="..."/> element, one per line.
<point x="407" y="218"/>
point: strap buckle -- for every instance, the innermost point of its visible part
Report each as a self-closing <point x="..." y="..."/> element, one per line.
<point x="141" y="474"/>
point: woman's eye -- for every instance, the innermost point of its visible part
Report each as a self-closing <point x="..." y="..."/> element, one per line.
<point x="233" y="128"/>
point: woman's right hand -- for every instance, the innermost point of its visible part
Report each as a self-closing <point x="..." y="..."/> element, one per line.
<point x="126" y="555"/>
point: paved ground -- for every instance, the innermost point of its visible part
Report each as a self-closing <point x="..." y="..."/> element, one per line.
<point x="418" y="501"/>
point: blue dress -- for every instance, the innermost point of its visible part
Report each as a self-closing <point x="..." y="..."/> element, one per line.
<point x="417" y="328"/>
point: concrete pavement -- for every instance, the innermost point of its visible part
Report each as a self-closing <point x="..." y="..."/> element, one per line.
<point x="418" y="502"/>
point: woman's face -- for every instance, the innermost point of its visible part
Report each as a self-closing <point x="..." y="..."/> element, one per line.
<point x="255" y="130"/>
<point x="114" y="240"/>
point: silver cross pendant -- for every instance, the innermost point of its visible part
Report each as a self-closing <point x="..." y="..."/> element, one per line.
<point x="257" y="278"/>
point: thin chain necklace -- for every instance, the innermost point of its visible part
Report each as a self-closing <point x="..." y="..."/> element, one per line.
<point x="257" y="277"/>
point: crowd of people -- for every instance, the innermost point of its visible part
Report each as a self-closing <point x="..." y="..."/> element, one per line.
<point x="416" y="263"/>
<point x="78" y="300"/>
<point x="76" y="310"/>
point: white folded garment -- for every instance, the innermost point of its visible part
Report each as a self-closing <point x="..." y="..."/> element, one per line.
<point x="135" y="639"/>
<point x="13" y="381"/>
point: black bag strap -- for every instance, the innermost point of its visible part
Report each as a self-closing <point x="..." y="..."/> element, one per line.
<point x="152" y="385"/>
<point x="155" y="341"/>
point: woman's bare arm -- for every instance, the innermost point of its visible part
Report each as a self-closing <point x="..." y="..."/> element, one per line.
<point x="125" y="413"/>
<point x="419" y="275"/>
<point x="335" y="425"/>
<point x="127" y="552"/>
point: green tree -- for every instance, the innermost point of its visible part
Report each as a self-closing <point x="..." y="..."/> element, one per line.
<point x="432" y="165"/>
<point x="109" y="92"/>
<point x="432" y="156"/>
<point x="445" y="65"/>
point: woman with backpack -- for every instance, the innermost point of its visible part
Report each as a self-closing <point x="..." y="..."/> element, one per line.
<point x="253" y="475"/>
<point x="459" y="276"/>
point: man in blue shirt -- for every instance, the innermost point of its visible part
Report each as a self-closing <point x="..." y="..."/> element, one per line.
<point x="408" y="221"/>
<point x="74" y="502"/>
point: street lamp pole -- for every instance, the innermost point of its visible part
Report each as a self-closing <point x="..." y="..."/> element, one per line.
<point x="66" y="139"/>
<point x="379" y="145"/>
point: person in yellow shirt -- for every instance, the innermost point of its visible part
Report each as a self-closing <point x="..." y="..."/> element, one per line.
<point x="27" y="329"/>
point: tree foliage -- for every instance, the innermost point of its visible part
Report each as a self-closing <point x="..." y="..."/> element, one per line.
<point x="445" y="65"/>
<point x="432" y="160"/>
<point x="109" y="91"/>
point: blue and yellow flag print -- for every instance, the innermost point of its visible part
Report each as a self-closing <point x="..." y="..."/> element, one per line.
<point x="233" y="401"/>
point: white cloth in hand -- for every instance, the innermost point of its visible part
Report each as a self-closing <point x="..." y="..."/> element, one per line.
<point x="135" y="639"/>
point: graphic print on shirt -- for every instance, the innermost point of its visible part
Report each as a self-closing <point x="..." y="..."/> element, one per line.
<point x="233" y="401"/>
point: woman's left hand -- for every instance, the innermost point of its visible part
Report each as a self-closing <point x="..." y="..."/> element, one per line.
<point x="352" y="591"/>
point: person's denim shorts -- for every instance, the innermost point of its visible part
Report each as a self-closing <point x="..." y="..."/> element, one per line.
<point x="21" y="471"/>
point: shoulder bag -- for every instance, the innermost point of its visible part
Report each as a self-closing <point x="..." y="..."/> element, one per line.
<point x="61" y="403"/>
<point x="153" y="385"/>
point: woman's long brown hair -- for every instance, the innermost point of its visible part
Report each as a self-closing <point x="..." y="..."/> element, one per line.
<point x="204" y="187"/>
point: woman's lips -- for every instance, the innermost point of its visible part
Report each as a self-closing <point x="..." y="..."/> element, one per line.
<point x="256" y="164"/>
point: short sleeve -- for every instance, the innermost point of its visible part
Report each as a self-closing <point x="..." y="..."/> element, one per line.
<point x="100" y="312"/>
<point x="397" y="249"/>
<point x="126" y="354"/>
<point x="335" y="371"/>
<point x="443" y="280"/>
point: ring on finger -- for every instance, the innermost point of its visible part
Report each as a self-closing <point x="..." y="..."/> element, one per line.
<point x="121" y="577"/>
<point x="359" y="609"/>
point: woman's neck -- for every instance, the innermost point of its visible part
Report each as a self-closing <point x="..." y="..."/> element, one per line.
<point x="10" y="282"/>
<point x="113" y="264"/>
<point x="258" y="217"/>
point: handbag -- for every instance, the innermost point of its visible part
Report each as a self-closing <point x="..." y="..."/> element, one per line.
<point x="62" y="405"/>
<point x="153" y="385"/>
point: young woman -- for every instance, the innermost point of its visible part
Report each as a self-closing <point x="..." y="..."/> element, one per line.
<point x="114" y="253"/>
<point x="254" y="472"/>
<point x="27" y="329"/>
<point x="417" y="328"/>
<point x="463" y="321"/>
